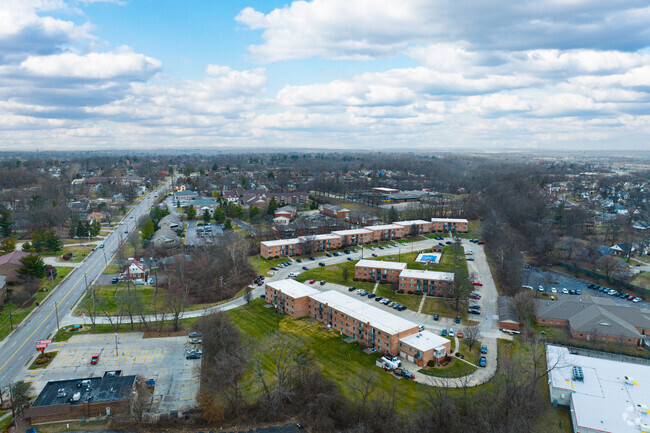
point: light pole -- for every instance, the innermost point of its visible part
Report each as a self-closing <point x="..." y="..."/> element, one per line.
<point x="56" y="308"/>
<point x="115" y="333"/>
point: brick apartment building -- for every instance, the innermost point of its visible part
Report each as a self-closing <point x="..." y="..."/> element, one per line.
<point x="325" y="242"/>
<point x="377" y="270"/>
<point x="354" y="236"/>
<point x="415" y="227"/>
<point x="387" y="232"/>
<point x="432" y="283"/>
<point x="289" y="296"/>
<point x="365" y="323"/>
<point x="459" y="225"/>
<point x="280" y="248"/>
<point x="423" y="347"/>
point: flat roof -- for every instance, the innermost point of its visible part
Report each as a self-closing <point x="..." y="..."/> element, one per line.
<point x="281" y="242"/>
<point x="319" y="237"/>
<point x="381" y="264"/>
<point x="292" y="288"/>
<point x="424" y="340"/>
<point x="449" y="220"/>
<point x="101" y="389"/>
<point x="603" y="401"/>
<point x="352" y="232"/>
<point x="384" y="227"/>
<point x="412" y="222"/>
<point x="366" y="313"/>
<point x="427" y="275"/>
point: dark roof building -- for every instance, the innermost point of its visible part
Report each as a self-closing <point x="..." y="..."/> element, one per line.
<point x="508" y="317"/>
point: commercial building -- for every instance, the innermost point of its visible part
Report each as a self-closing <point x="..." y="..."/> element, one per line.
<point x="430" y="282"/>
<point x="603" y="395"/>
<point x="386" y="232"/>
<point x="82" y="398"/>
<point x="362" y="322"/>
<point x="378" y="270"/>
<point x="289" y="296"/>
<point x="508" y="317"/>
<point x="423" y="347"/>
<point x="459" y="225"/>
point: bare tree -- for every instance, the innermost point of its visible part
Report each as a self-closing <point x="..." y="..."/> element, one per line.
<point x="471" y="336"/>
<point x="248" y="295"/>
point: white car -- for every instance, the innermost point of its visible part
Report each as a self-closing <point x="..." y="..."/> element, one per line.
<point x="554" y="290"/>
<point x="565" y="291"/>
<point x="637" y="299"/>
<point x="292" y="274"/>
<point x="451" y="332"/>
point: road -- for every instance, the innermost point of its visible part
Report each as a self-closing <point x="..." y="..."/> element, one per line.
<point x="19" y="347"/>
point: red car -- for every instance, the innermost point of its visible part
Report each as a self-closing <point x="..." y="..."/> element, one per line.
<point x="191" y="410"/>
<point x="94" y="360"/>
<point x="475" y="296"/>
<point x="312" y="281"/>
<point x="477" y="284"/>
<point x="261" y="283"/>
<point x="481" y="243"/>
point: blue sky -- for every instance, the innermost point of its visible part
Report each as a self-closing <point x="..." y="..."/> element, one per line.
<point x="334" y="74"/>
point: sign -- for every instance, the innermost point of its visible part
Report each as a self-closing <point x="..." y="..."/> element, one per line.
<point x="41" y="346"/>
<point x="40" y="349"/>
<point x="43" y="342"/>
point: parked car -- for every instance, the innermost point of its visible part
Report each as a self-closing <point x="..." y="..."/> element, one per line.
<point x="476" y="283"/>
<point x="553" y="290"/>
<point x="459" y="334"/>
<point x="637" y="299"/>
<point x="451" y="332"/>
<point x="578" y="292"/>
<point x="195" y="335"/>
<point x="470" y="259"/>
<point x="374" y="255"/>
<point x="350" y="259"/>
<point x="482" y="362"/>
<point x="471" y="311"/>
<point x="305" y="268"/>
<point x="328" y="254"/>
<point x="312" y="258"/>
<point x="192" y="355"/>
<point x="481" y="243"/>
<point x="196" y="340"/>
<point x="336" y="254"/>
<point x="322" y="282"/>
<point x="101" y="245"/>
<point x="484" y="349"/>
<point x="275" y="268"/>
<point x="115" y="280"/>
<point x="378" y="299"/>
<point x="444" y="333"/>
<point x="321" y="264"/>
<point x="475" y="295"/>
<point x="457" y="319"/>
<point x="299" y="260"/>
<point x="191" y="410"/>
<point x="94" y="359"/>
<point x="436" y="317"/>
<point x="351" y="289"/>
<point x="371" y="295"/>
<point x="474" y="307"/>
<point x="565" y="291"/>
<point x="347" y="251"/>
<point x="421" y="328"/>
<point x="312" y="281"/>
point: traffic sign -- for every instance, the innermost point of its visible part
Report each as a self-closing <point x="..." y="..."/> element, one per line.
<point x="41" y="346"/>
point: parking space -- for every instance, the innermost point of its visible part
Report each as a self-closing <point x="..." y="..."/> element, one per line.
<point x="162" y="359"/>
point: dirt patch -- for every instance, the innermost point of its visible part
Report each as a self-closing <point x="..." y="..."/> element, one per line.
<point x="156" y="334"/>
<point x="332" y="268"/>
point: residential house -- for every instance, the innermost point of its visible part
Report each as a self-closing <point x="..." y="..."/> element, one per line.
<point x="286" y="211"/>
<point x="9" y="265"/>
<point x="165" y="238"/>
<point x="134" y="271"/>
<point x="171" y="222"/>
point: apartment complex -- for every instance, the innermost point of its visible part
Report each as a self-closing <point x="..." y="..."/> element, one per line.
<point x="378" y="270"/>
<point x="289" y="296"/>
<point x="314" y="243"/>
<point x="367" y="234"/>
<point x="424" y="347"/>
<point x="430" y="282"/>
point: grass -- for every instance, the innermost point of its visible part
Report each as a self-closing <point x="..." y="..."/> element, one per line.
<point x="262" y="266"/>
<point x="474" y="231"/>
<point x="444" y="307"/>
<point x="412" y="302"/>
<point x="19" y="314"/>
<point x="334" y="274"/>
<point x="36" y="366"/>
<point x="108" y="299"/>
<point x="642" y="280"/>
<point x="457" y="368"/>
<point x="79" y="253"/>
<point x="111" y="269"/>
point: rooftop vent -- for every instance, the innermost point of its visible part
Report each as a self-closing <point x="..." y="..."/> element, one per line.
<point x="578" y="374"/>
<point x="629" y="380"/>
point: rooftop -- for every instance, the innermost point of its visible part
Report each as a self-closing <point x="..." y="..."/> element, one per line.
<point x="424" y="341"/>
<point x="319" y="237"/>
<point x="384" y="227"/>
<point x="352" y="232"/>
<point x="381" y="264"/>
<point x="604" y="401"/>
<point x="366" y="313"/>
<point x="427" y="275"/>
<point x="101" y="389"/>
<point x="281" y="242"/>
<point x="412" y="222"/>
<point x="292" y="288"/>
<point x="449" y="220"/>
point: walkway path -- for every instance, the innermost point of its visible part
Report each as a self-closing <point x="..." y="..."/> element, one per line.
<point x="424" y="297"/>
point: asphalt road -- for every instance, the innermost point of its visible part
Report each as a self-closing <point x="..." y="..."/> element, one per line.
<point x="19" y="347"/>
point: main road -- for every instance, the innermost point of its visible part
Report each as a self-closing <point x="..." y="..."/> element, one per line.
<point x="19" y="347"/>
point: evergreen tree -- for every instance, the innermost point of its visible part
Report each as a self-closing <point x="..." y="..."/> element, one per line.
<point x="32" y="267"/>
<point x="148" y="230"/>
<point x="191" y="212"/>
<point x="38" y="241"/>
<point x="95" y="228"/>
<point x="52" y="241"/>
<point x="27" y="247"/>
<point x="5" y="223"/>
<point x="227" y="225"/>
<point x="219" y="215"/>
<point x="206" y="216"/>
<point x="8" y="245"/>
<point x="273" y="206"/>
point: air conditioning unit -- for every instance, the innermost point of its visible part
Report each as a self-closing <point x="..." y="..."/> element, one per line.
<point x="629" y="380"/>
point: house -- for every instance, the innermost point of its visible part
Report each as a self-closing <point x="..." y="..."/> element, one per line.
<point x="423" y="347"/>
<point x="621" y="250"/>
<point x="432" y="283"/>
<point x="119" y="198"/>
<point x="603" y="395"/>
<point x="96" y="216"/>
<point x="165" y="238"/>
<point x="9" y="265"/>
<point x="281" y="221"/>
<point x="378" y="270"/>
<point x="171" y="222"/>
<point x="508" y="317"/>
<point x="286" y="211"/>
<point x="334" y="210"/>
<point x="97" y="397"/>
<point x="289" y="296"/>
<point x="134" y="271"/>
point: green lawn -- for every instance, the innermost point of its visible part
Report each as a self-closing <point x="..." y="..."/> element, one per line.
<point x="457" y="368"/>
<point x="79" y="253"/>
<point x="111" y="269"/>
<point x="444" y="307"/>
<point x="19" y="314"/>
<point x="262" y="265"/>
<point x="642" y="280"/>
<point x="109" y="298"/>
<point x="446" y="263"/>
<point x="411" y="302"/>
<point x="333" y="274"/>
<point x="473" y="232"/>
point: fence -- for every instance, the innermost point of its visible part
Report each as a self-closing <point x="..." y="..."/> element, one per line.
<point x="601" y="353"/>
<point x="610" y="280"/>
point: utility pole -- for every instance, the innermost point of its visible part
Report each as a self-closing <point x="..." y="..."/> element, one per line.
<point x="56" y="308"/>
<point x="13" y="412"/>
<point x="115" y="333"/>
<point x="11" y="322"/>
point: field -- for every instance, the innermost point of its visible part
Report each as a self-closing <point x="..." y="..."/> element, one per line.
<point x="111" y="269"/>
<point x="79" y="253"/>
<point x="333" y="274"/>
<point x="262" y="265"/>
<point x="642" y="280"/>
<point x="19" y="314"/>
<point x="444" y="307"/>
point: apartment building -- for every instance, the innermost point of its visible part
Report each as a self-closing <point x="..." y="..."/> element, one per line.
<point x="386" y="232"/>
<point x="325" y="242"/>
<point x="363" y="322"/>
<point x="289" y="296"/>
<point x="459" y="225"/>
<point x="334" y="210"/>
<point x="423" y="347"/>
<point x="432" y="283"/>
<point x="354" y="236"/>
<point x="280" y="248"/>
<point x="378" y="270"/>
<point x="415" y="227"/>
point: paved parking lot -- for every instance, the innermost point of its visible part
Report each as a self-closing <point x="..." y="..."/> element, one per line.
<point x="161" y="359"/>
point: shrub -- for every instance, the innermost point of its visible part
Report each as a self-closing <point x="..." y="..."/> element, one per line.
<point x="20" y="298"/>
<point x="431" y="363"/>
<point x="67" y="256"/>
<point x="400" y="291"/>
<point x="410" y="292"/>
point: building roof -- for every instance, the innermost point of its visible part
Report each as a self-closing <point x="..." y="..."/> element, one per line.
<point x="598" y="320"/>
<point x="381" y="264"/>
<point x="351" y="232"/>
<point x="280" y="242"/>
<point x="427" y="275"/>
<point x="603" y="401"/>
<point x="507" y="311"/>
<point x="290" y="209"/>
<point x="424" y="341"/>
<point x="319" y="237"/>
<point x="13" y="258"/>
<point x="165" y="233"/>
<point x="366" y="313"/>
<point x="186" y="194"/>
<point x="171" y="218"/>
<point x="412" y="222"/>
<point x="384" y="227"/>
<point x="102" y="389"/>
<point x="293" y="288"/>
<point x="449" y="220"/>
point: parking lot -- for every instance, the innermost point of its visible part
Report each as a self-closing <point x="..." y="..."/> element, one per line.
<point x="162" y="359"/>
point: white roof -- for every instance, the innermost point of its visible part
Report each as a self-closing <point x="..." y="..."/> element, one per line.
<point x="412" y="222"/>
<point x="603" y="401"/>
<point x="319" y="237"/>
<point x="381" y="264"/>
<point x="292" y="288"/>
<point x="352" y="232"/>
<point x="427" y="275"/>
<point x="424" y="341"/>
<point x="281" y="242"/>
<point x="449" y="220"/>
<point x="384" y="227"/>
<point x="366" y="313"/>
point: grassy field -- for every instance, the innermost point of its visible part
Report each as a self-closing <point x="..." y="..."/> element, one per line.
<point x="457" y="368"/>
<point x="444" y="307"/>
<point x="473" y="232"/>
<point x="642" y="280"/>
<point x="411" y="302"/>
<point x="334" y="274"/>
<point x="111" y="269"/>
<point x="79" y="253"/>
<point x="19" y="314"/>
<point x="262" y="265"/>
<point x="446" y="263"/>
<point x="108" y="298"/>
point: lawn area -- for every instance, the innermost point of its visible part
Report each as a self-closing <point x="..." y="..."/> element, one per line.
<point x="334" y="274"/>
<point x="446" y="263"/>
<point x="111" y="269"/>
<point x="109" y="298"/>
<point x="339" y="361"/>
<point x="43" y="362"/>
<point x="262" y="265"/>
<point x="642" y="280"/>
<point x="473" y="232"/>
<point x="412" y="302"/>
<point x="19" y="314"/>
<point x="444" y="307"/>
<point x="457" y="368"/>
<point x="79" y="253"/>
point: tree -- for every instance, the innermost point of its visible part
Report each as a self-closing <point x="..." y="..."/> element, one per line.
<point x="8" y="245"/>
<point x="227" y="225"/>
<point x="5" y="223"/>
<point x="252" y="212"/>
<point x="206" y="216"/>
<point x="27" y="247"/>
<point x="345" y="273"/>
<point x="148" y="230"/>
<point x="52" y="241"/>
<point x="219" y="215"/>
<point x="191" y="212"/>
<point x="471" y="336"/>
<point x="32" y="267"/>
<point x="273" y="206"/>
<point x="95" y="228"/>
<point x="248" y="295"/>
<point x="19" y="396"/>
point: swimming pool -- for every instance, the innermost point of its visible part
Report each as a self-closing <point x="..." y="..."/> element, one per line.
<point x="423" y="257"/>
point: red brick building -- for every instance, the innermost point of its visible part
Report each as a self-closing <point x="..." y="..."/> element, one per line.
<point x="386" y="232"/>
<point x="459" y="225"/>
<point x="432" y="283"/>
<point x="377" y="270"/>
<point x="289" y="296"/>
<point x="423" y="347"/>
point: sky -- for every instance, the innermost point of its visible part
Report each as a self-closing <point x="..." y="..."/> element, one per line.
<point x="408" y="75"/>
